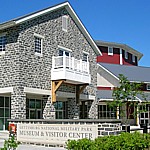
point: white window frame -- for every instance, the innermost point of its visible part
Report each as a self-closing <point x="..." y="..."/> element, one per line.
<point x="126" y="54"/>
<point x="64" y="49"/>
<point x="110" y="52"/>
<point x="3" y="51"/>
<point x="86" y="53"/>
<point x="41" y="38"/>
<point x="65" y="23"/>
<point x="133" y="58"/>
<point x="148" y="86"/>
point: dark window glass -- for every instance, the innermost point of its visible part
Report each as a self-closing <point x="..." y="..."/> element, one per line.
<point x="1" y="112"/>
<point x="7" y="102"/>
<point x="32" y="103"/>
<point x="1" y="101"/>
<point x="38" y="104"/>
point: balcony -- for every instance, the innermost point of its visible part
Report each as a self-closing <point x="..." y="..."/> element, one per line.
<point x="70" y="69"/>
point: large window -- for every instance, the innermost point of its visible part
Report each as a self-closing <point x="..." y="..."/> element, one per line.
<point x="145" y="114"/>
<point x="34" y="108"/>
<point x="61" y="110"/>
<point x="106" y="112"/>
<point x="4" y="112"/>
<point x="2" y="43"/>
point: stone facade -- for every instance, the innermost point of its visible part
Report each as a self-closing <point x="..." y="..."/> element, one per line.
<point x="20" y="67"/>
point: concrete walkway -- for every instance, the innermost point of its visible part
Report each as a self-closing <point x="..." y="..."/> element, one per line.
<point x="33" y="147"/>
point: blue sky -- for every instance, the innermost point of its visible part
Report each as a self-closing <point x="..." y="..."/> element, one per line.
<point x="122" y="21"/>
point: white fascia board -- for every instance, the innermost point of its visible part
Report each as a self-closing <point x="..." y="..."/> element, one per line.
<point x="40" y="13"/>
<point x="6" y="90"/>
<point x="36" y="91"/>
<point x="83" y="29"/>
<point x="108" y="71"/>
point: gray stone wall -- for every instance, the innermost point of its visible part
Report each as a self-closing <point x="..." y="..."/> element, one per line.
<point x="20" y="67"/>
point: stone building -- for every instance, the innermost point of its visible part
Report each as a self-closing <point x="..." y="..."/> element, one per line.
<point x="48" y="67"/>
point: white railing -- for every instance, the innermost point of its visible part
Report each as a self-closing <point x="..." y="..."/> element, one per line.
<point x="70" y="63"/>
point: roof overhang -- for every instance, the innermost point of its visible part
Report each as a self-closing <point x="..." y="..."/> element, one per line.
<point x="121" y="46"/>
<point x="48" y="10"/>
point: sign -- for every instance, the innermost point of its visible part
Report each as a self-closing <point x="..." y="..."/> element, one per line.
<point x="54" y="133"/>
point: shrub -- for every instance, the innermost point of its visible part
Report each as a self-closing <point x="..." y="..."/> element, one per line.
<point x="125" y="141"/>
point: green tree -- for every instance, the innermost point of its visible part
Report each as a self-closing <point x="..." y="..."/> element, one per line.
<point x="126" y="94"/>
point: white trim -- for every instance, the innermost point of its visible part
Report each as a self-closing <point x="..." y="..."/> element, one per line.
<point x="121" y="62"/>
<point x="108" y="72"/>
<point x="85" y="52"/>
<point x="39" y="35"/>
<point x="64" y="48"/>
<point x="41" y="13"/>
<point x="36" y="91"/>
<point x="6" y="90"/>
<point x="110" y="54"/>
<point x="2" y="52"/>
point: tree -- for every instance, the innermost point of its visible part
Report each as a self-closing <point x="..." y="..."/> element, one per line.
<point x="125" y="98"/>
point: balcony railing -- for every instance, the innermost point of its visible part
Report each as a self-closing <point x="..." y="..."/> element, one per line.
<point x="70" y="63"/>
<point x="72" y="70"/>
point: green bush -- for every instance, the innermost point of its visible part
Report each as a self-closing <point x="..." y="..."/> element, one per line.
<point x="10" y="144"/>
<point x="125" y="141"/>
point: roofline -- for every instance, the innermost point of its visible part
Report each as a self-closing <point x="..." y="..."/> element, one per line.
<point x="119" y="45"/>
<point x="50" y="9"/>
<point x="108" y="71"/>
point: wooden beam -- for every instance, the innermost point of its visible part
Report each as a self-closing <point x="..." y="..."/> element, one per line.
<point x="79" y="91"/>
<point x="55" y="87"/>
<point x="82" y="88"/>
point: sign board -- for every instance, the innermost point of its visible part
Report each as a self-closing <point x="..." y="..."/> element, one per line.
<point x="55" y="133"/>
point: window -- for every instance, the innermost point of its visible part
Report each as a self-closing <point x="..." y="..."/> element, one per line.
<point x="133" y="58"/>
<point x="38" y="44"/>
<point x="61" y="110"/>
<point x="110" y="50"/>
<point x="2" y="43"/>
<point x="126" y="55"/>
<point x="106" y="112"/>
<point x="34" y="108"/>
<point x="144" y="114"/>
<point x="85" y="57"/>
<point x="64" y="23"/>
<point x="148" y="86"/>
<point x="4" y="112"/>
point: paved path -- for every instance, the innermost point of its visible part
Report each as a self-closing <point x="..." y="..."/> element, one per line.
<point x="33" y="147"/>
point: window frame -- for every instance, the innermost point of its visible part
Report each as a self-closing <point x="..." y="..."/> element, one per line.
<point x="110" y="53"/>
<point x="87" y="56"/>
<point x="148" y="86"/>
<point x="38" y="36"/>
<point x="65" y="24"/>
<point x="3" y="45"/>
<point x="125" y="54"/>
<point x="133" y="58"/>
